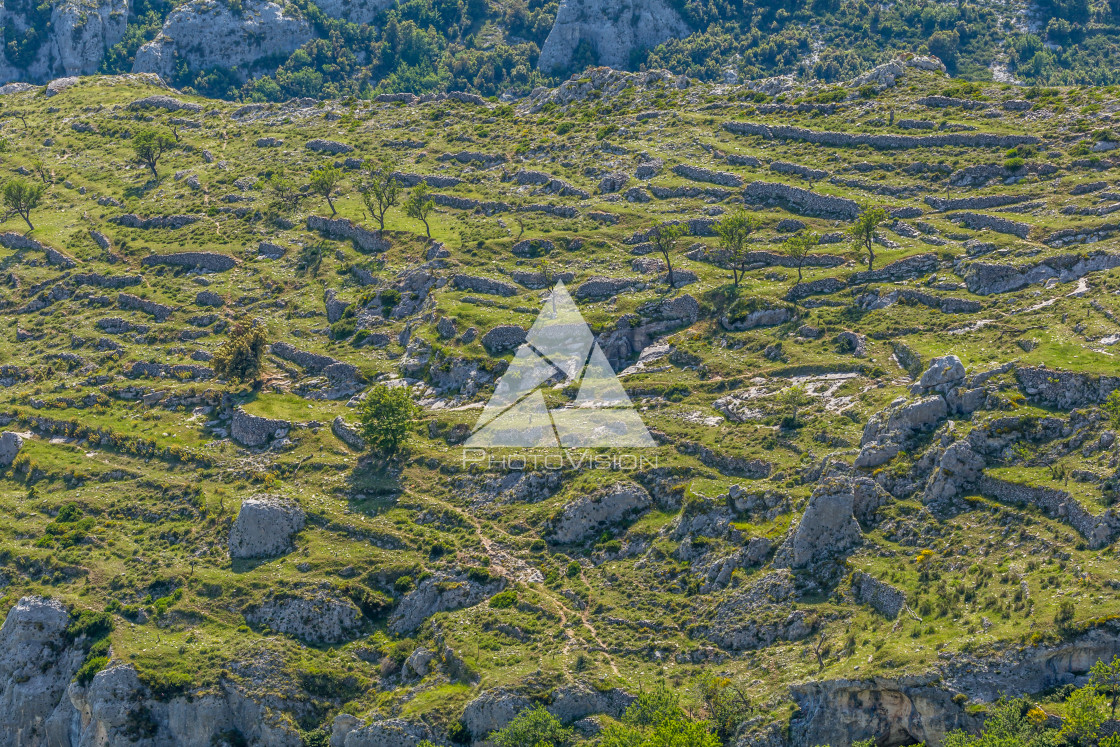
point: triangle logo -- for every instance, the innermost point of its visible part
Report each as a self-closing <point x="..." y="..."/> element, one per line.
<point x="559" y="349"/>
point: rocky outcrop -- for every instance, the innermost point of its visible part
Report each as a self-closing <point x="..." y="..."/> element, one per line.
<point x="320" y="619"/>
<point x="347" y="434"/>
<point x="906" y="710"/>
<point x="342" y="229"/>
<point x="264" y="527"/>
<point x="605" y="287"/>
<point x="78" y="34"/>
<point x="495" y="709"/>
<point x="980" y="221"/>
<point x="484" y="285"/>
<point x="1065" y="390"/>
<point x="614" y="31"/>
<point x="916" y="266"/>
<point x="339" y="372"/>
<point x="633" y="333"/>
<point x="698" y="174"/>
<point x="800" y="201"/>
<point x="502" y="338"/>
<point x="253" y="430"/>
<point x="164" y="102"/>
<point x="347" y="731"/>
<point x="158" y="310"/>
<point x="879" y="595"/>
<point x="983" y="278"/>
<point x="130" y="220"/>
<point x="1098" y="530"/>
<point x="885" y="142"/>
<point x="209" y="261"/>
<point x="588" y="516"/>
<point x="440" y="594"/>
<point x="10" y="444"/>
<point x="333" y="147"/>
<point x="36" y="665"/>
<point x="827" y="529"/>
<point x="207" y="33"/>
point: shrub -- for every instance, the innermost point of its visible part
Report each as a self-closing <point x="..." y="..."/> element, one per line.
<point x="239" y="357"/>
<point x="536" y="727"/>
<point x="386" y="415"/>
<point x="503" y="600"/>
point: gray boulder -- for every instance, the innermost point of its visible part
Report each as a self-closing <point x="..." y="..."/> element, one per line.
<point x="322" y="619"/>
<point x="827" y="529"/>
<point x="589" y="515"/>
<point x="10" y="444"/>
<point x="264" y="527"/>
<point x="502" y="338"/>
<point x="615" y="30"/>
<point x="253" y="430"/>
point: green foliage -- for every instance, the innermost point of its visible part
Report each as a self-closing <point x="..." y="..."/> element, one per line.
<point x="386" y="416"/>
<point x="1112" y="408"/>
<point x="864" y="231"/>
<point x="798" y="248"/>
<point x="1085" y="712"/>
<point x="503" y="600"/>
<point x="324" y="182"/>
<point x="734" y="232"/>
<point x="149" y="145"/>
<point x="536" y="727"/>
<point x="1011" y="722"/>
<point x="380" y="191"/>
<point x="21" y="197"/>
<point x="239" y="357"/>
<point x="420" y="205"/>
<point x="665" y="237"/>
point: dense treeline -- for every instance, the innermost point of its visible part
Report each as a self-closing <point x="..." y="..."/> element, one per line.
<point x="432" y="45"/>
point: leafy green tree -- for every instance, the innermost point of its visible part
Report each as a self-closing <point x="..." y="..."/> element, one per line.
<point x="1112" y="407"/>
<point x="380" y="192"/>
<point x="864" y="231"/>
<point x="1106" y="678"/>
<point x="682" y="733"/>
<point x="149" y="145"/>
<point x="1011" y="722"/>
<point x="239" y="357"/>
<point x="420" y="205"/>
<point x="325" y="182"/>
<point x="734" y="233"/>
<point x="1084" y="715"/>
<point x="665" y="238"/>
<point x="386" y="415"/>
<point x="285" y="194"/>
<point x="654" y="706"/>
<point x="798" y="248"/>
<point x="21" y="197"/>
<point x="534" y="727"/>
<point x="726" y="705"/>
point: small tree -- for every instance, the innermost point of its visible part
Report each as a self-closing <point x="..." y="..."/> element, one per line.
<point x="798" y="248"/>
<point x="386" y="415"/>
<point x="864" y="231"/>
<point x="734" y="233"/>
<point x="150" y="144"/>
<point x="324" y="182"/>
<point x="420" y="205"/>
<point x="1106" y="678"/>
<point x="239" y="357"/>
<point x="665" y="238"/>
<point x="1112" y="408"/>
<point x="380" y="192"/>
<point x="285" y="195"/>
<point x="21" y="197"/>
<point x="793" y="400"/>
<point x="1084" y="716"/>
<point x="536" y="727"/>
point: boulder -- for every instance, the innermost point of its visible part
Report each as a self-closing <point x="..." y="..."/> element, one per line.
<point x="827" y="529"/>
<point x="321" y="619"/>
<point x="441" y="593"/>
<point x="253" y="430"/>
<point x="589" y="515"/>
<point x="943" y="372"/>
<point x="10" y="444"/>
<point x="502" y="338"/>
<point x="264" y="527"/>
<point x="615" y="30"/>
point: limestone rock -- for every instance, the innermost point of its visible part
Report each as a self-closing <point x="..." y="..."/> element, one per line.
<point x="492" y="710"/>
<point x="253" y="430"/>
<point x="208" y="33"/>
<point x="439" y="594"/>
<point x="264" y="527"/>
<point x="615" y="30"/>
<point x="321" y="619"/>
<point x="10" y="444"/>
<point x="589" y="515"/>
<point x="502" y="338"/>
<point x="827" y="529"/>
<point x="36" y="665"/>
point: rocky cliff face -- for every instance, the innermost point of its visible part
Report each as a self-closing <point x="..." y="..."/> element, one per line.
<point x="206" y="33"/>
<point x="81" y="31"/>
<point x="614" y="29"/>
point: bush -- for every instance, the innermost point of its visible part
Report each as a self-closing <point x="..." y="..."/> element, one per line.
<point x="503" y="600"/>
<point x="239" y="357"/>
<point x="536" y="727"/>
<point x="386" y="415"/>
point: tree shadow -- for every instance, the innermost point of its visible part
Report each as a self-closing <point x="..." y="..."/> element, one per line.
<point x="142" y="190"/>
